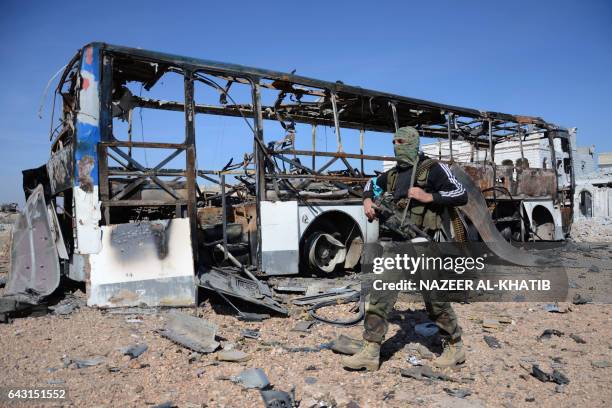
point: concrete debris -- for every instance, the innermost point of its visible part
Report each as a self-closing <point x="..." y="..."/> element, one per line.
<point x="191" y="332"/>
<point x="79" y="363"/>
<point x="427" y="329"/>
<point x="596" y="229"/>
<point x="303" y="326"/>
<point x="492" y="342"/>
<point x="458" y="392"/>
<point x="167" y="404"/>
<point x="233" y="356"/>
<point x="554" y="308"/>
<point x="594" y="269"/>
<point x="548" y="333"/>
<point x="577" y="338"/>
<point x="250" y="333"/>
<point x="278" y="399"/>
<point x="252" y="378"/>
<point x="601" y="364"/>
<point x="134" y="350"/>
<point x="557" y="376"/>
<point x="578" y="299"/>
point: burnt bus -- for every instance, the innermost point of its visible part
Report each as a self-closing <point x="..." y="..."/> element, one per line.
<point x="140" y="219"/>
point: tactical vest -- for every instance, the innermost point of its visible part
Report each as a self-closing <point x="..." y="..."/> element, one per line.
<point x="423" y="215"/>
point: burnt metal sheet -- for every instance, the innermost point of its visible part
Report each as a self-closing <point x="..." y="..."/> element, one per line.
<point x="519" y="182"/>
<point x="60" y="169"/>
<point x="147" y="262"/>
<point x="474" y="210"/>
<point x="35" y="268"/>
<point x="192" y="332"/>
<point x="236" y="286"/>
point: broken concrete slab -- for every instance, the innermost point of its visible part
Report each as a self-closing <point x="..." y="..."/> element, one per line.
<point x="578" y="299"/>
<point x="191" y="332"/>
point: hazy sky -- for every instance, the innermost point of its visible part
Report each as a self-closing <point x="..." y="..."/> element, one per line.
<point x="550" y="58"/>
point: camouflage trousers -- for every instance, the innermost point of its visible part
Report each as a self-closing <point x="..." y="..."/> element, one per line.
<point x="379" y="305"/>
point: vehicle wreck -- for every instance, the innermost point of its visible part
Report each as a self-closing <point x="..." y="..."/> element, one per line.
<point x="139" y="234"/>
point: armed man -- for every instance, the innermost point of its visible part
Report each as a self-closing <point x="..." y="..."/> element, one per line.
<point x="420" y="196"/>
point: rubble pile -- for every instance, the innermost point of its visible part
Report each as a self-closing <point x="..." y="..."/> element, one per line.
<point x="597" y="229"/>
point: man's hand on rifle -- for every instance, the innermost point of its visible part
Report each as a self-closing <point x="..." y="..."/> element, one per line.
<point x="419" y="194"/>
<point x="368" y="209"/>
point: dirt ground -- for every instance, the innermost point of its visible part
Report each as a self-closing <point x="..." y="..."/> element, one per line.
<point x="36" y="352"/>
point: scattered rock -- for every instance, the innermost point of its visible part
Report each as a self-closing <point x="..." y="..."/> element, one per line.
<point x="420" y="351"/>
<point x="577" y="338"/>
<point x="310" y="380"/>
<point x="594" y="269"/>
<point x="491" y="324"/>
<point x="578" y="299"/>
<point x="492" y="342"/>
<point x="252" y="378"/>
<point x="557" y="376"/>
<point x="560" y="388"/>
<point x="303" y="326"/>
<point x="250" y="333"/>
<point x="233" y="356"/>
<point x="548" y="333"/>
<point x="600" y="364"/>
<point x="134" y="350"/>
<point x="458" y="392"/>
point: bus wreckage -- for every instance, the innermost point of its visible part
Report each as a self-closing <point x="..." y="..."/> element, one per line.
<point x="150" y="234"/>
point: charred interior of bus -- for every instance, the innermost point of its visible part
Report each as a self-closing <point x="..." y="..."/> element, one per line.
<point x="162" y="179"/>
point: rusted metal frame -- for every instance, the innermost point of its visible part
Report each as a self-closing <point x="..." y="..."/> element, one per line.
<point x="315" y="177"/>
<point x="144" y="203"/>
<point x="336" y="155"/>
<point x="160" y="173"/>
<point x="553" y="158"/>
<point x="106" y="131"/>
<point x="394" y="112"/>
<point x="169" y="158"/>
<point x="348" y="166"/>
<point x="260" y="161"/>
<point x="492" y="159"/>
<point x="314" y="144"/>
<point x="129" y="188"/>
<point x="104" y="180"/>
<point x="449" y="118"/>
<point x="156" y="145"/>
<point x="334" y="103"/>
<point x="212" y="180"/>
<point x="190" y="153"/>
<point x="224" y="218"/>
<point x="298" y="165"/>
<point x="361" y="146"/>
<point x="153" y="178"/>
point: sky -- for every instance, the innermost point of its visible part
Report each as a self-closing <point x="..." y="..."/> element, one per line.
<point x="551" y="59"/>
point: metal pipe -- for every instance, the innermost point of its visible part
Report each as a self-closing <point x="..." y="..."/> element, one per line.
<point x="361" y="145"/>
<point x="336" y="121"/>
<point x="449" y="118"/>
<point x="314" y="143"/>
<point x="224" y="219"/>
<point x="395" y="119"/>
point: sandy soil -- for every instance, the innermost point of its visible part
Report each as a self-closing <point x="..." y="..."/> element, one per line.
<point x="35" y="351"/>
